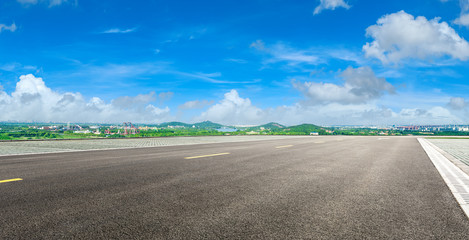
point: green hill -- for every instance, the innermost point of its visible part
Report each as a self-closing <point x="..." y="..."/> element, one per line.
<point x="174" y="125"/>
<point x="272" y="126"/>
<point x="207" y="125"/>
<point x="306" y="129"/>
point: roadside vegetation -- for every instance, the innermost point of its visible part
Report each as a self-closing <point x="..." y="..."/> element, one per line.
<point x="41" y="131"/>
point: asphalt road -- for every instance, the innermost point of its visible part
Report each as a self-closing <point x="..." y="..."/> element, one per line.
<point x="314" y="188"/>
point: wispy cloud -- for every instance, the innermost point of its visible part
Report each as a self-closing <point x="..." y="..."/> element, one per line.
<point x="51" y="3"/>
<point x="196" y="104"/>
<point x="14" y="67"/>
<point x="283" y="53"/>
<point x="236" y="60"/>
<point x="209" y="77"/>
<point x="27" y="2"/>
<point x="118" y="30"/>
<point x="296" y="59"/>
<point x="10" y="28"/>
<point x="120" y="73"/>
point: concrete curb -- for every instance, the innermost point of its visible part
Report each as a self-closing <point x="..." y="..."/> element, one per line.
<point x="456" y="179"/>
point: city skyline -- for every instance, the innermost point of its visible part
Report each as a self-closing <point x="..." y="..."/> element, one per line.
<point x="326" y="62"/>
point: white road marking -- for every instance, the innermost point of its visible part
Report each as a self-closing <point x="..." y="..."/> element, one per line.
<point x="286" y="146"/>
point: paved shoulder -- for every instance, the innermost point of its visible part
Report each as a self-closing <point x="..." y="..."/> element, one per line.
<point x="456" y="179"/>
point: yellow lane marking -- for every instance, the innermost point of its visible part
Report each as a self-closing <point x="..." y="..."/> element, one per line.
<point x="210" y="155"/>
<point x="11" y="180"/>
<point x="286" y="146"/>
<point x="319" y="142"/>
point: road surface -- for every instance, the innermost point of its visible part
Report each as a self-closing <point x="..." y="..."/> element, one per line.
<point x="297" y="188"/>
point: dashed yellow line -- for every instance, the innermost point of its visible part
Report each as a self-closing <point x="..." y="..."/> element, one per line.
<point x="11" y="180"/>
<point x="210" y="155"/>
<point x="286" y="146"/>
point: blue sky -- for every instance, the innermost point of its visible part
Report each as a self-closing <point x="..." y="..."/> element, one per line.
<point x="235" y="62"/>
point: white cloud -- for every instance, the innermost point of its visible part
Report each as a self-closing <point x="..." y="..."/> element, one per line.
<point x="464" y="4"/>
<point x="399" y="36"/>
<point x="208" y="77"/>
<point x="291" y="58"/>
<point x="127" y="102"/>
<point x="51" y="3"/>
<point x="463" y="19"/>
<point x="330" y="4"/>
<point x="27" y="1"/>
<point x="281" y="53"/>
<point x="233" y="109"/>
<point x="457" y="103"/>
<point x="196" y="104"/>
<point x="32" y="100"/>
<point x="165" y="96"/>
<point x="10" y="28"/>
<point x="118" y="30"/>
<point x="236" y="60"/>
<point x="16" y="67"/>
<point x="56" y="2"/>
<point x="360" y="86"/>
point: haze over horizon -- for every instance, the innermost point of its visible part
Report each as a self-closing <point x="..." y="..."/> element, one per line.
<point x="325" y="62"/>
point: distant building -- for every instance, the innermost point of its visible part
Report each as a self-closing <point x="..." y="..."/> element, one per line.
<point x="82" y="131"/>
<point x="314" y="133"/>
<point x="252" y="133"/>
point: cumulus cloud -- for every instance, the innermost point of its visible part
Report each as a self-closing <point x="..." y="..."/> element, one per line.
<point x="233" y="109"/>
<point x="330" y="4"/>
<point x="10" y="28"/>
<point x="196" y="104"/>
<point x="400" y="35"/>
<point x="457" y="103"/>
<point x="33" y="101"/>
<point x="360" y="86"/>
